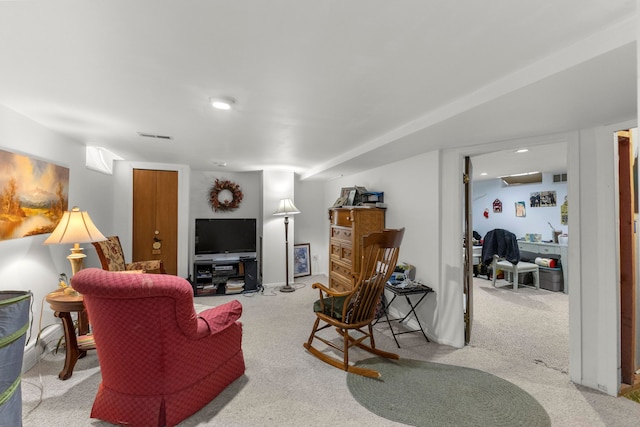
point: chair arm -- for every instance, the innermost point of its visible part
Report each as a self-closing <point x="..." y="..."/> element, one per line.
<point x="151" y="265"/>
<point x="330" y="292"/>
<point x="219" y="318"/>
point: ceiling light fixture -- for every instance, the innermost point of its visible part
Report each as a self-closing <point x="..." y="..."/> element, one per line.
<point x="522" y="150"/>
<point x="222" y="103"/>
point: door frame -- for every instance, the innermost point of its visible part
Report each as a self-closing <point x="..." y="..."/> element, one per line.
<point x="123" y="208"/>
<point x="452" y="207"/>
<point x="628" y="258"/>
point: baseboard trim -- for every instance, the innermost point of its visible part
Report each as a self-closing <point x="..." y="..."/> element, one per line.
<point x="34" y="350"/>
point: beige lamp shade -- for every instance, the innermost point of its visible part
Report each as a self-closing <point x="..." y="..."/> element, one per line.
<point x="75" y="227"/>
<point x="286" y="208"/>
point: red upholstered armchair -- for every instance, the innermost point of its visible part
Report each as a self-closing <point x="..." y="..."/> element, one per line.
<point x="160" y="361"/>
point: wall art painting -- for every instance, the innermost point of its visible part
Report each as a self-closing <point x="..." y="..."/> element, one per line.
<point x="497" y="206"/>
<point x="33" y="195"/>
<point x="521" y="210"/>
<point x="542" y="199"/>
<point x="301" y="261"/>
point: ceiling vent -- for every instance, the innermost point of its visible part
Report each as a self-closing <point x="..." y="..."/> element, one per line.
<point x="153" y="135"/>
<point x="560" y="177"/>
<point x="522" y="178"/>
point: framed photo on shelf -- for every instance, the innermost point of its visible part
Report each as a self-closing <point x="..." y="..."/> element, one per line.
<point x="301" y="260"/>
<point x="344" y="192"/>
<point x="351" y="198"/>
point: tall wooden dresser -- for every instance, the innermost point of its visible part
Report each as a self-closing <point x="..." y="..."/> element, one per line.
<point x="348" y="226"/>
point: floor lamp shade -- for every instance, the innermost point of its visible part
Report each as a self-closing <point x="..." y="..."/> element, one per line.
<point x="286" y="208"/>
<point x="75" y="227"/>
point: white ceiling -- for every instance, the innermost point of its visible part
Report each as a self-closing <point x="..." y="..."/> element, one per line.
<point x="323" y="87"/>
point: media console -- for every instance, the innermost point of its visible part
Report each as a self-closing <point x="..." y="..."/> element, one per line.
<point x="224" y="276"/>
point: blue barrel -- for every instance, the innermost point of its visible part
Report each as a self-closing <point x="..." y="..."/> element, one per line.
<point x="14" y="323"/>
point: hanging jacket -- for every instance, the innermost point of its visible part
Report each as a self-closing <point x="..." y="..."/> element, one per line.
<point x="502" y="243"/>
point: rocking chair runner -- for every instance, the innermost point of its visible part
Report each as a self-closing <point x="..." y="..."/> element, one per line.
<point x="353" y="312"/>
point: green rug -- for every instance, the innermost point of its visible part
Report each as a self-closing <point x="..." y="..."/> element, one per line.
<point x="633" y="395"/>
<point x="432" y="394"/>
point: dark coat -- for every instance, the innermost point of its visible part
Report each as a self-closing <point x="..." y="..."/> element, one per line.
<point x="502" y="243"/>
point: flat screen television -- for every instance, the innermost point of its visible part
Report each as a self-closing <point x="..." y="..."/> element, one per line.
<point x="225" y="236"/>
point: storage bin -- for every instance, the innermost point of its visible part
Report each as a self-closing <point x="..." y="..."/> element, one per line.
<point x="551" y="279"/>
<point x="14" y="323"/>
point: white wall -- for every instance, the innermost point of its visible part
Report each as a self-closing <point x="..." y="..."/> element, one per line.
<point x="311" y="224"/>
<point x="411" y="190"/>
<point x="536" y="220"/>
<point x="593" y="260"/>
<point x="276" y="185"/>
<point x="250" y="207"/>
<point x="27" y="264"/>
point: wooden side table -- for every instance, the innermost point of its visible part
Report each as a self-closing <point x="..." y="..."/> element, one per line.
<point x="63" y="305"/>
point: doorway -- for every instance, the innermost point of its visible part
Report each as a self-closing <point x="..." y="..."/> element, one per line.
<point x="527" y="323"/>
<point x="628" y="218"/>
<point x="155" y="217"/>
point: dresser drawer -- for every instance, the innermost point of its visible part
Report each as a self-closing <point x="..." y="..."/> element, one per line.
<point x="341" y="251"/>
<point x="341" y="269"/>
<point x="539" y="248"/>
<point x="341" y="217"/>
<point x="339" y="283"/>
<point x="548" y="250"/>
<point x="341" y="233"/>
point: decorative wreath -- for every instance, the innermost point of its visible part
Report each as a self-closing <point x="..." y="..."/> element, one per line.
<point x="226" y="205"/>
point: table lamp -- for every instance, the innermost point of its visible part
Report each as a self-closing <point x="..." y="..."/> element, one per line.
<point x="286" y="208"/>
<point x="75" y="227"/>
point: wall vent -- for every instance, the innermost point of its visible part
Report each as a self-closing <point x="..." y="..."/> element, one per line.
<point x="560" y="177"/>
<point x="153" y="135"/>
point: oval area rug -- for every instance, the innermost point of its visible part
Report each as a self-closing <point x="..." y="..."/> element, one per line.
<point x="433" y="394"/>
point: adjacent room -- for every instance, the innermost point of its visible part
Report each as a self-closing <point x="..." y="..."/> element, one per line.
<point x="506" y="188"/>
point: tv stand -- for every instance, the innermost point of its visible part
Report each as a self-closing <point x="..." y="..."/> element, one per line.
<point x="221" y="277"/>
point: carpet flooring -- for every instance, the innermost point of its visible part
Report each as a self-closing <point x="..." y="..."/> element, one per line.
<point x="427" y="394"/>
<point x="528" y="324"/>
<point x="286" y="386"/>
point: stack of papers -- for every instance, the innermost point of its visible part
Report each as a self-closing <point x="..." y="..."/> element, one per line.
<point x="234" y="286"/>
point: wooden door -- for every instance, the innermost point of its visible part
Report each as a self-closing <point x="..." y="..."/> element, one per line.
<point x="468" y="251"/>
<point x="627" y="259"/>
<point x="155" y="217"/>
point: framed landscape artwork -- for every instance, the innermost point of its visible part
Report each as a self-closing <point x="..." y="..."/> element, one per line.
<point x="301" y="260"/>
<point x="33" y="195"/>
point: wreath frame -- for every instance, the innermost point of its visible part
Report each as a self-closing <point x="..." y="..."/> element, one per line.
<point x="227" y="205"/>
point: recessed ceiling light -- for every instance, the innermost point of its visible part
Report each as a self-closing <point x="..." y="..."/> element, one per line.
<point x="222" y="103"/>
<point x="483" y="174"/>
<point x="522" y="150"/>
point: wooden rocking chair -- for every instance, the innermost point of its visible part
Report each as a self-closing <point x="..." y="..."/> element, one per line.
<point x="353" y="312"/>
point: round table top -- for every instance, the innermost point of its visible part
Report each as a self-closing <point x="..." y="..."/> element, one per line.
<point x="59" y="301"/>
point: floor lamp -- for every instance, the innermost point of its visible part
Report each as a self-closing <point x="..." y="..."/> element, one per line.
<point x="285" y="209"/>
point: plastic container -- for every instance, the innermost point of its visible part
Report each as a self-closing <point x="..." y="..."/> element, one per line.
<point x="14" y="323"/>
<point x="551" y="279"/>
